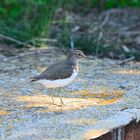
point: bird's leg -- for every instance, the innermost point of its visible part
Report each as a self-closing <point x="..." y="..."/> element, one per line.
<point x="62" y="103"/>
<point x="52" y="99"/>
<point x="52" y="95"/>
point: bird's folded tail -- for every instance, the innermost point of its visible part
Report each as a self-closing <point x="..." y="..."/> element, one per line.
<point x="33" y="79"/>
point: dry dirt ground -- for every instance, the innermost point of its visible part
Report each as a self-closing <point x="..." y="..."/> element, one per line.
<point x="113" y="33"/>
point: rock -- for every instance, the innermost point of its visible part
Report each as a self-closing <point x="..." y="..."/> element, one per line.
<point x="101" y="90"/>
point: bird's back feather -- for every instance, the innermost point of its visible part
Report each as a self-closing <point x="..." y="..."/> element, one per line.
<point x="59" y="70"/>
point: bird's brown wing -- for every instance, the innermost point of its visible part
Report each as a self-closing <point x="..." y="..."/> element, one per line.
<point x="60" y="70"/>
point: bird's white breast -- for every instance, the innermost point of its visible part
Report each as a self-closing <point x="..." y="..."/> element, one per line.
<point x="58" y="82"/>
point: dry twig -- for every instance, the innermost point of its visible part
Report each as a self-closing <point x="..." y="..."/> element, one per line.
<point x="15" y="40"/>
<point x="126" y="60"/>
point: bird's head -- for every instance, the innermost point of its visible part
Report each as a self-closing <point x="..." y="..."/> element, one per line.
<point x="78" y="54"/>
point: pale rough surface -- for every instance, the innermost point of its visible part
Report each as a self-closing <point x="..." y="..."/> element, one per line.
<point x="121" y="118"/>
<point x="101" y="90"/>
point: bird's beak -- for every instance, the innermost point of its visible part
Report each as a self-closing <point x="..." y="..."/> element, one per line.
<point x="89" y="58"/>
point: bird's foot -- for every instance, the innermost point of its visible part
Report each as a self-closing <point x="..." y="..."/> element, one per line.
<point x="62" y="103"/>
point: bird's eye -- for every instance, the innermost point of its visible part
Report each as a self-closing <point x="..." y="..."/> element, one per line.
<point x="80" y="54"/>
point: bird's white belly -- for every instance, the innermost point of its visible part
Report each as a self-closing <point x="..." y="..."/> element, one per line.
<point x="59" y="82"/>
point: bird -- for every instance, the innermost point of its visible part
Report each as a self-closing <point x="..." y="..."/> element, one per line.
<point x="61" y="73"/>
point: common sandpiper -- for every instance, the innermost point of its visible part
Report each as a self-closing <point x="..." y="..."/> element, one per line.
<point x="61" y="73"/>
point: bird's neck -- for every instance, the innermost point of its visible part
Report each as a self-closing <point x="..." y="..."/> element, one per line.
<point x="73" y="61"/>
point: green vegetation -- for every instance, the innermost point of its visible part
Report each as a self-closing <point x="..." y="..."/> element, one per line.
<point x="26" y="20"/>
